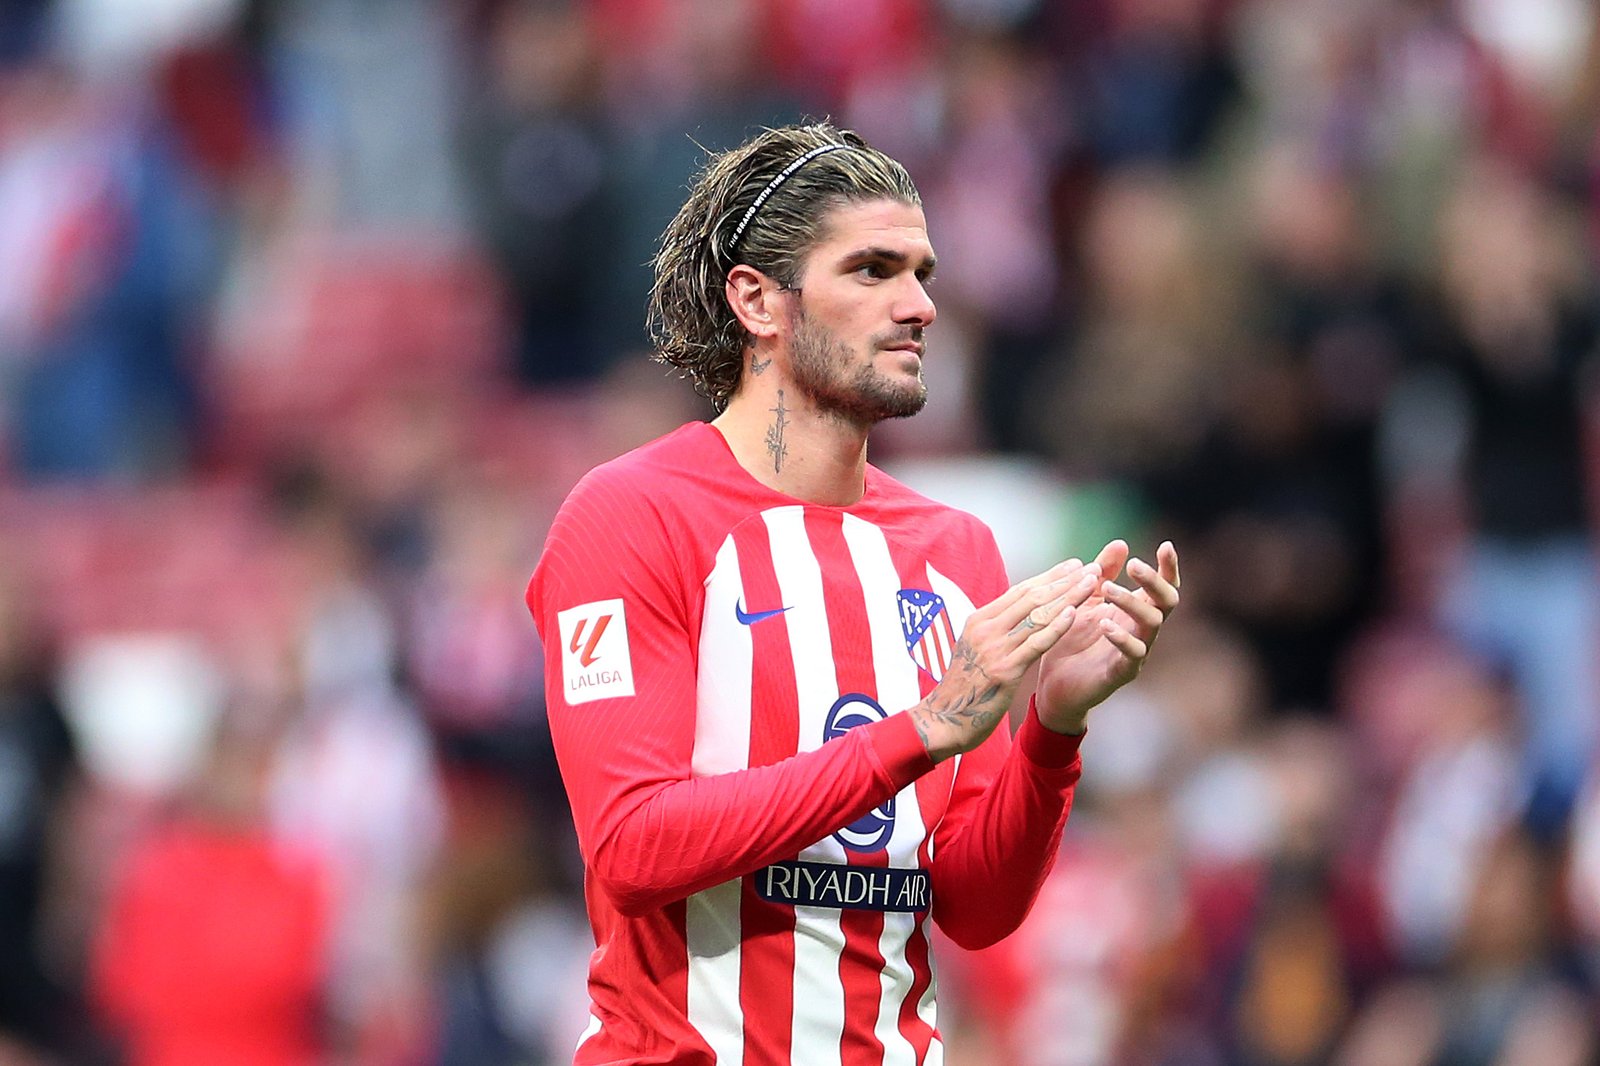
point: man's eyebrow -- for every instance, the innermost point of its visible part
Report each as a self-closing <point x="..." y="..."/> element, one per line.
<point x="891" y="255"/>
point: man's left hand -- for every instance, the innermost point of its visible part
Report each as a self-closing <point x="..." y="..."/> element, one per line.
<point x="1110" y="638"/>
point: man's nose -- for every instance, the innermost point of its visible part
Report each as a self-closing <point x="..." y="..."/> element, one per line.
<point x="916" y="306"/>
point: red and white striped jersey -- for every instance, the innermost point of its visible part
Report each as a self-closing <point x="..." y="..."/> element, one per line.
<point x="765" y="837"/>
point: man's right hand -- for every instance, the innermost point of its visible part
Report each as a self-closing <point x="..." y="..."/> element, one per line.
<point x="1000" y="641"/>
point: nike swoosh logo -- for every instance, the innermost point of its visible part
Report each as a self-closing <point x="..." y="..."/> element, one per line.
<point x="755" y="616"/>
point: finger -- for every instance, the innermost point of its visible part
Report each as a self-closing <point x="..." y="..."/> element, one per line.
<point x="1138" y="607"/>
<point x="1041" y="616"/>
<point x="1045" y="637"/>
<point x="1037" y="602"/>
<point x="1167" y="563"/>
<point x="1064" y="570"/>
<point x="1161" y="591"/>
<point x="1112" y="558"/>
<point x="1125" y="642"/>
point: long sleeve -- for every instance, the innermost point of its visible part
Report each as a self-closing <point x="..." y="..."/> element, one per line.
<point x="1000" y="837"/>
<point x="615" y="605"/>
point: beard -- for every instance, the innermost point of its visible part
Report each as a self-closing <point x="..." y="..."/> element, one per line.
<point x="842" y="384"/>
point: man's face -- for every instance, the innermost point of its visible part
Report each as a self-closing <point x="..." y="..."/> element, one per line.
<point x="856" y="342"/>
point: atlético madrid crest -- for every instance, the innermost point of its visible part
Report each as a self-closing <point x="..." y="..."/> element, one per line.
<point x="930" y="639"/>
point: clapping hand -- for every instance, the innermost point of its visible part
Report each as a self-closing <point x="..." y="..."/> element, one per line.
<point x="1110" y="636"/>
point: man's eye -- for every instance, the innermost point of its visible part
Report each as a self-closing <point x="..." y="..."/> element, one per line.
<point x="872" y="270"/>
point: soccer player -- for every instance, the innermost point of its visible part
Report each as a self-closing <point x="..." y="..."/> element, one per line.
<point x="775" y="674"/>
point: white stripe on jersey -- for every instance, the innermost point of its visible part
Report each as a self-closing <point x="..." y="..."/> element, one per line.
<point x="711" y="927"/>
<point x="894" y="982"/>
<point x="722" y="713"/>
<point x="721" y="745"/>
<point x="958" y="607"/>
<point x="928" y="1005"/>
<point x="819" y="940"/>
<point x="956" y="603"/>
<point x="898" y="688"/>
<point x="592" y="1029"/>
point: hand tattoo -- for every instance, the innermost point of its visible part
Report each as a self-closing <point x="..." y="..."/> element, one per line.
<point x="776" y="447"/>
<point x="966" y="698"/>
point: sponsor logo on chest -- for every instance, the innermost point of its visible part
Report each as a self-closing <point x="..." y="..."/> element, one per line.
<point x="870" y="832"/>
<point x="855" y="888"/>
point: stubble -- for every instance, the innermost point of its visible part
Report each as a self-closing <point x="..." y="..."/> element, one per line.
<point x="844" y="384"/>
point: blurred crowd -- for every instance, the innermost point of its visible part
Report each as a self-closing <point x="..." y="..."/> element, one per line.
<point x="311" y="311"/>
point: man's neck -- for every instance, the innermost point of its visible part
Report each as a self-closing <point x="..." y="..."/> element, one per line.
<point x="788" y="445"/>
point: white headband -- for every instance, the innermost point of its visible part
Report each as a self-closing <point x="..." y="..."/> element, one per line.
<point x="772" y="186"/>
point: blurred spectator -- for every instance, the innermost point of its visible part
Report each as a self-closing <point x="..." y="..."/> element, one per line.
<point x="214" y="946"/>
<point x="540" y="166"/>
<point x="1508" y="1000"/>
<point x="1277" y="484"/>
<point x="988" y="198"/>
<point x="682" y="78"/>
<point x="355" y="783"/>
<point x="1514" y="351"/>
<point x="1295" y="993"/>
<point x="1157" y="81"/>
<point x="366" y="91"/>
<point x="1308" y="70"/>
<point x="38" y="767"/>
<point x="105" y="242"/>
<point x="1321" y="296"/>
<point x="1105" y="967"/>
<point x="502" y="925"/>
<point x="1154" y="353"/>
<point x="478" y="669"/>
<point x="1457" y="796"/>
<point x="1315" y="942"/>
<point x="1284" y="474"/>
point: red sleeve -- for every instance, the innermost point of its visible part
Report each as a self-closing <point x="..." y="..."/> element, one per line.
<point x="999" y="837"/>
<point x="650" y="832"/>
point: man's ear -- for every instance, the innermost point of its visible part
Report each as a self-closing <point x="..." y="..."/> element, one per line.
<point x="753" y="296"/>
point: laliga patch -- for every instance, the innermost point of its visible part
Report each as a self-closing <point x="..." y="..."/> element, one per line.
<point x="595" y="661"/>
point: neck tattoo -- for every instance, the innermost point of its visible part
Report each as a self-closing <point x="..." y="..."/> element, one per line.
<point x="775" y="443"/>
<point x="758" y="365"/>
